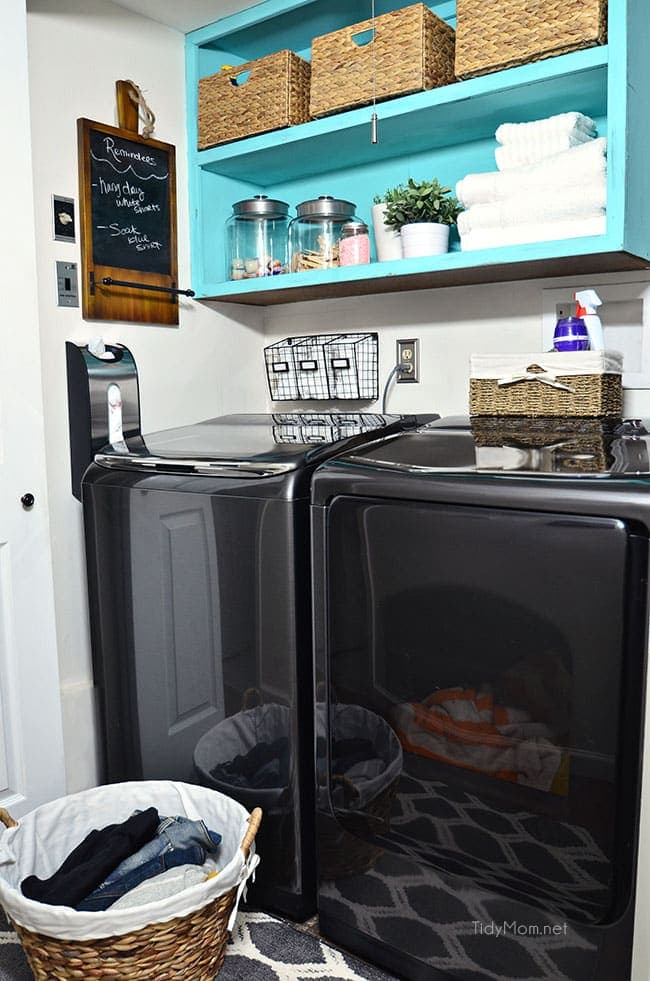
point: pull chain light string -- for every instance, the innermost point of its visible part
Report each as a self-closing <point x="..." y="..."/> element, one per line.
<point x="374" y="138"/>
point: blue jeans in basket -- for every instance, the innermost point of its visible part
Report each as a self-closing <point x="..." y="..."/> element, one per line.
<point x="178" y="841"/>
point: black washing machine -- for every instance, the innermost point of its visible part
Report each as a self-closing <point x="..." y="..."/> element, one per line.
<point x="481" y="629"/>
<point x="198" y="555"/>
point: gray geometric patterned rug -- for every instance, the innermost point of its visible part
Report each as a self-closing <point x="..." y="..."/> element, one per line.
<point x="555" y="865"/>
<point x="262" y="949"/>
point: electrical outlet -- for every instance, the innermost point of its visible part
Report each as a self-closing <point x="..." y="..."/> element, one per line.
<point x="408" y="360"/>
<point x="566" y="309"/>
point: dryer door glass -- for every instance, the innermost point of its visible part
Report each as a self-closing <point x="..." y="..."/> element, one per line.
<point x="485" y="669"/>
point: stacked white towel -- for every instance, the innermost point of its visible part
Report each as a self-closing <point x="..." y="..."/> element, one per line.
<point x="528" y="143"/>
<point x="551" y="184"/>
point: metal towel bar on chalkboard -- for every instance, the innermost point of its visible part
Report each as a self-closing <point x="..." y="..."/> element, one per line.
<point x="107" y="281"/>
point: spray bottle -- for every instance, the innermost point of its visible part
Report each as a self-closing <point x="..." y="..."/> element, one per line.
<point x="588" y="302"/>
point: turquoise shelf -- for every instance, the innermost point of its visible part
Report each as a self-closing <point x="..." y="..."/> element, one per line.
<point x="461" y="113"/>
<point x="446" y="132"/>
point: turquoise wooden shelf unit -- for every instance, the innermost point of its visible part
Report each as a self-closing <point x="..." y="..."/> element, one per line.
<point x="446" y="132"/>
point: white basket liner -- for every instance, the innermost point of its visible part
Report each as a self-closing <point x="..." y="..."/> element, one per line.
<point x="47" y="835"/>
<point x="559" y="362"/>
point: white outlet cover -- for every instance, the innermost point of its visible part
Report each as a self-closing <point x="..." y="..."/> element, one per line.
<point x="625" y="314"/>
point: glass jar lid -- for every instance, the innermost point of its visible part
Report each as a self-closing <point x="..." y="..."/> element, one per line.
<point x="354" y="228"/>
<point x="261" y="206"/>
<point x="326" y="206"/>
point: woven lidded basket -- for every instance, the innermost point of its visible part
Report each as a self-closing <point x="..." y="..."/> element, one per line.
<point x="412" y="49"/>
<point x="180" y="947"/>
<point x="258" y="96"/>
<point x="580" y="383"/>
<point x="495" y="34"/>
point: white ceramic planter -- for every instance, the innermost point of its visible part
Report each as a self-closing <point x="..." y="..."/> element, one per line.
<point x="388" y="242"/>
<point x="424" y="238"/>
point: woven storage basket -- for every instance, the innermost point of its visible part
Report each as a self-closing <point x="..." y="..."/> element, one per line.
<point x="571" y="445"/>
<point x="412" y="50"/>
<point x="495" y="34"/>
<point x="234" y="104"/>
<point x="584" y="383"/>
<point x="187" y="947"/>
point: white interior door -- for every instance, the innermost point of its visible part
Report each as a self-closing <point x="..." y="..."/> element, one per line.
<point x="31" y="745"/>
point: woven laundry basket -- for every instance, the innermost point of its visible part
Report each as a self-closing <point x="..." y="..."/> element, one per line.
<point x="579" y="383"/>
<point x="495" y="34"/>
<point x="175" y="939"/>
<point x="412" y="49"/>
<point x="258" y="96"/>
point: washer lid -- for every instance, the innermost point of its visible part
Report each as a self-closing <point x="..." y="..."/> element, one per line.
<point x="516" y="446"/>
<point x="251" y="445"/>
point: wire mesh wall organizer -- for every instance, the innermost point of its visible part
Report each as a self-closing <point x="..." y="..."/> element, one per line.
<point x="323" y="366"/>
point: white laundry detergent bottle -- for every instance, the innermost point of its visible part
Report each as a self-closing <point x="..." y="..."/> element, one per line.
<point x="588" y="302"/>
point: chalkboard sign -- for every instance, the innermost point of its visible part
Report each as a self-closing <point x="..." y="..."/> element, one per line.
<point x="128" y="223"/>
<point x="129" y="202"/>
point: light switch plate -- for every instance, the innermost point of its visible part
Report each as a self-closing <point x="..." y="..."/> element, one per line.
<point x="66" y="284"/>
<point x="63" y="218"/>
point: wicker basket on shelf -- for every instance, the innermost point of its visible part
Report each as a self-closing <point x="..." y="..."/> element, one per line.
<point x="492" y="35"/>
<point x="189" y="946"/>
<point x="412" y="49"/>
<point x="584" y="383"/>
<point x="258" y="96"/>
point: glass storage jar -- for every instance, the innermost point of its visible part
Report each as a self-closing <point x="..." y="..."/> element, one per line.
<point x="315" y="232"/>
<point x="354" y="249"/>
<point x="257" y="235"/>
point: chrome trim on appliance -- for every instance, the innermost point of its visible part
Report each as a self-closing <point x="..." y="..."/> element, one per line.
<point x="218" y="468"/>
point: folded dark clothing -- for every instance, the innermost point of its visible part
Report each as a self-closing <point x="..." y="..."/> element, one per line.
<point x="93" y="860"/>
<point x="178" y="841"/>
<point x="104" y="897"/>
<point x="264" y="766"/>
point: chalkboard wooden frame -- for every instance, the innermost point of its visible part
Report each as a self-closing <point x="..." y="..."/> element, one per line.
<point x="143" y="230"/>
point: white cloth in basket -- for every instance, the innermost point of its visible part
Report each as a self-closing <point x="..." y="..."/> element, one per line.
<point x="46" y="836"/>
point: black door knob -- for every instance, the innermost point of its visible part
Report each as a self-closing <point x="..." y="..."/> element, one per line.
<point x="27" y="501"/>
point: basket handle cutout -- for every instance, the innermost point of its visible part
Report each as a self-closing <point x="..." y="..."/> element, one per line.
<point x="6" y="819"/>
<point x="241" y="79"/>
<point x="364" y="38"/>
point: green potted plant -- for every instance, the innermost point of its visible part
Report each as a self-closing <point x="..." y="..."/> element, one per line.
<point x="388" y="241"/>
<point x="422" y="212"/>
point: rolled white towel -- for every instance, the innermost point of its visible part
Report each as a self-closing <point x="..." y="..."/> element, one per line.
<point x="540" y="148"/>
<point x="490" y="238"/>
<point x="539" y="205"/>
<point x="577" y="166"/>
<point x="566" y="123"/>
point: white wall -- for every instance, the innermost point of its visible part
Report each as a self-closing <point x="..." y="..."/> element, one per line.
<point x="451" y="324"/>
<point x="208" y="365"/>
